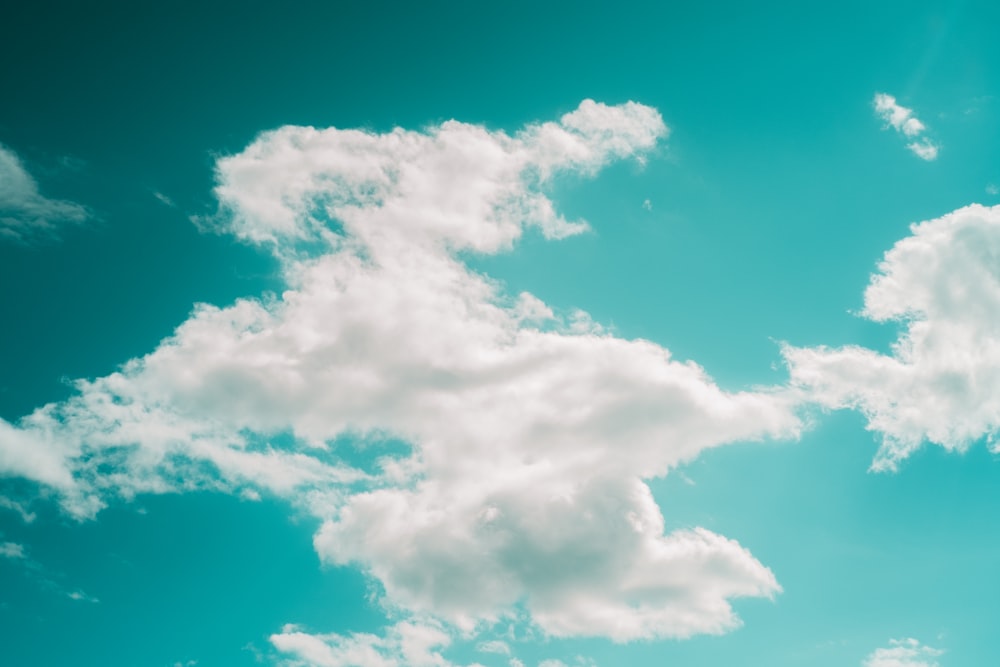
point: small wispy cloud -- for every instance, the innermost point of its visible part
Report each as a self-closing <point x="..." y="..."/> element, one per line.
<point x="992" y="189"/>
<point x="25" y="214"/>
<point x="903" y="653"/>
<point x="14" y="506"/>
<point x="907" y="124"/>
<point x="43" y="576"/>
<point x="493" y="646"/>
<point x="164" y="199"/>
<point x="80" y="596"/>
<point x="11" y="550"/>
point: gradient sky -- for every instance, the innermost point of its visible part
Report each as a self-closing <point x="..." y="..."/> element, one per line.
<point x="372" y="394"/>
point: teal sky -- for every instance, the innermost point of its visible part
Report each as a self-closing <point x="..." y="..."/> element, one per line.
<point x="459" y="466"/>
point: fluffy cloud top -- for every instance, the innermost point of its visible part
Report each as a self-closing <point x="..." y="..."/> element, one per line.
<point x="903" y="653"/>
<point x="456" y="185"/>
<point x="941" y="381"/>
<point x="907" y="124"/>
<point x="530" y="434"/>
<point x="24" y="213"/>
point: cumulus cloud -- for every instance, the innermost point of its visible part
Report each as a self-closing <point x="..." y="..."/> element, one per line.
<point x="903" y="653"/>
<point x="941" y="380"/>
<point x="903" y="121"/>
<point x="25" y="214"/>
<point x="458" y="186"/>
<point x="529" y="432"/>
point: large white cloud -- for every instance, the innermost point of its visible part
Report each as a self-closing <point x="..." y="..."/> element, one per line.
<point x="941" y="381"/>
<point x="530" y="433"/>
<point x="903" y="653"/>
<point x="25" y="214"/>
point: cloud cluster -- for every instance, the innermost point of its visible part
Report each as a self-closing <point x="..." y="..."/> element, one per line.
<point x="903" y="653"/>
<point x="907" y="124"/>
<point x="405" y="644"/>
<point x="24" y="213"/>
<point x="941" y="381"/>
<point x="412" y="643"/>
<point x="528" y="433"/>
<point x="483" y="455"/>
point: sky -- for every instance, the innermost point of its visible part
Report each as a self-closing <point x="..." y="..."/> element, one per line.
<point x="514" y="335"/>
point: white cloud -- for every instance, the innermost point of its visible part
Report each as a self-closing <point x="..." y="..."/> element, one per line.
<point x="898" y="116"/>
<point x="80" y="596"/>
<point x="41" y="575"/>
<point x="19" y="508"/>
<point x="531" y="432"/>
<point x="493" y="646"/>
<point x="925" y="149"/>
<point x="401" y="188"/>
<point x="406" y="644"/>
<point x="903" y="653"/>
<point x="164" y="199"/>
<point x="29" y="453"/>
<point x="578" y="661"/>
<point x="24" y="213"/>
<point x="904" y="122"/>
<point x="992" y="189"/>
<point x="941" y="381"/>
<point x="11" y="550"/>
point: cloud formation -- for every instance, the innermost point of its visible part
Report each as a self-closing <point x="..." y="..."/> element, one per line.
<point x="904" y="122"/>
<point x="941" y="381"/>
<point x="11" y="550"/>
<point x="528" y="433"/>
<point x="25" y="214"/>
<point x="903" y="653"/>
<point x="406" y="644"/>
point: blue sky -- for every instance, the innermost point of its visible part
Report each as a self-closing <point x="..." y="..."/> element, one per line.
<point x="356" y="334"/>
